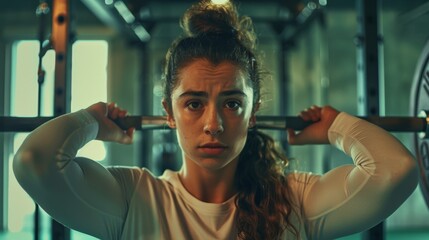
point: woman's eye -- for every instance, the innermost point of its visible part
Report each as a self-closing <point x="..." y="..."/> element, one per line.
<point x="233" y="105"/>
<point x="194" y="105"/>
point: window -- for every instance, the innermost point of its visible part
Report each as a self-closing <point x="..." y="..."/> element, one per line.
<point x="89" y="85"/>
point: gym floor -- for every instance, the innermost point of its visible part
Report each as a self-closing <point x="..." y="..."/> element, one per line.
<point x="416" y="234"/>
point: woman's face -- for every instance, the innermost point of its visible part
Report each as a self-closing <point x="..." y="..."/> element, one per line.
<point x="212" y="111"/>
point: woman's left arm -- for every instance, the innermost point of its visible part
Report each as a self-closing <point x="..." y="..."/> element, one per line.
<point x="353" y="198"/>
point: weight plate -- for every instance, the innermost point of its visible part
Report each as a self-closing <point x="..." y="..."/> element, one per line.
<point x="420" y="101"/>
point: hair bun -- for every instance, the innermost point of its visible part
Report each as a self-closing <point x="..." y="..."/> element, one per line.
<point x="209" y="18"/>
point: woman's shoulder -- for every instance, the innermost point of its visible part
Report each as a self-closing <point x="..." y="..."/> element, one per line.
<point x="300" y="183"/>
<point x="299" y="178"/>
<point x="134" y="180"/>
<point x="136" y="176"/>
<point x="130" y="178"/>
<point x="129" y="174"/>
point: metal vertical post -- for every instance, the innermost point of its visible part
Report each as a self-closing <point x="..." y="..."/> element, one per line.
<point x="370" y="71"/>
<point x="4" y="180"/>
<point x="42" y="12"/>
<point x="4" y="138"/>
<point x="61" y="34"/>
<point x="284" y="81"/>
<point x="146" y="100"/>
<point x="4" y="183"/>
<point x="283" y="88"/>
<point x="370" y="74"/>
<point x="61" y="42"/>
<point x="324" y="81"/>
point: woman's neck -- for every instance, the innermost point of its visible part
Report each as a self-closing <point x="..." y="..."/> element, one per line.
<point x="214" y="186"/>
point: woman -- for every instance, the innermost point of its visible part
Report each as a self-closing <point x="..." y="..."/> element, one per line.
<point x="232" y="184"/>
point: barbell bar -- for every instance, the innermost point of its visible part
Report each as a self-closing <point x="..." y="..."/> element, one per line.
<point x="392" y="124"/>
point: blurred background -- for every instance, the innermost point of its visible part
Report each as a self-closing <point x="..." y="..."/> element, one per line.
<point x="357" y="56"/>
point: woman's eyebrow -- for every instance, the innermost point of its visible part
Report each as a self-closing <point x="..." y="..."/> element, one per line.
<point x="193" y="94"/>
<point x="205" y="94"/>
<point x="233" y="92"/>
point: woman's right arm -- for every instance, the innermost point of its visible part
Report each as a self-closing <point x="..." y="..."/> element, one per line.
<point x="77" y="192"/>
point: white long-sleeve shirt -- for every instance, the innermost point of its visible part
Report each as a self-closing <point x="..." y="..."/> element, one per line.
<point x="131" y="203"/>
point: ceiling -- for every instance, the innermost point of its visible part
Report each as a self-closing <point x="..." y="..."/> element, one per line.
<point x="147" y="13"/>
<point x="19" y="5"/>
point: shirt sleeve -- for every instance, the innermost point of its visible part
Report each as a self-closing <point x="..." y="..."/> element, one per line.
<point x="353" y="198"/>
<point x="77" y="192"/>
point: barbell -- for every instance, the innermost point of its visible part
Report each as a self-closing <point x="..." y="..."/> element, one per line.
<point x="392" y="124"/>
<point x="417" y="123"/>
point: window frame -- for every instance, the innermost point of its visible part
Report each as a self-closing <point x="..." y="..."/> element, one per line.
<point x="6" y="138"/>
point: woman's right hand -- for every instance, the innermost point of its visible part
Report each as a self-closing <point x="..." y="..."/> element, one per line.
<point x="108" y="130"/>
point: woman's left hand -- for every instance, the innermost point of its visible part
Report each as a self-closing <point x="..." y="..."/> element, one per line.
<point x="317" y="132"/>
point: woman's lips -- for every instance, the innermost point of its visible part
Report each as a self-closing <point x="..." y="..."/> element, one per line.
<point x="212" y="148"/>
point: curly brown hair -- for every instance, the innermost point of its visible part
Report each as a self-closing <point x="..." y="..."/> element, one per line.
<point x="217" y="33"/>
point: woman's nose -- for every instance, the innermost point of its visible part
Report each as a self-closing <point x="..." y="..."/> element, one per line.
<point x="213" y="125"/>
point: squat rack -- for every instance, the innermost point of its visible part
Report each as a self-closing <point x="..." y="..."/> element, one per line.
<point x="369" y="73"/>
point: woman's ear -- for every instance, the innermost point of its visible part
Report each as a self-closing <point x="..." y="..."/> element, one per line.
<point x="252" y="120"/>
<point x="170" y="119"/>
